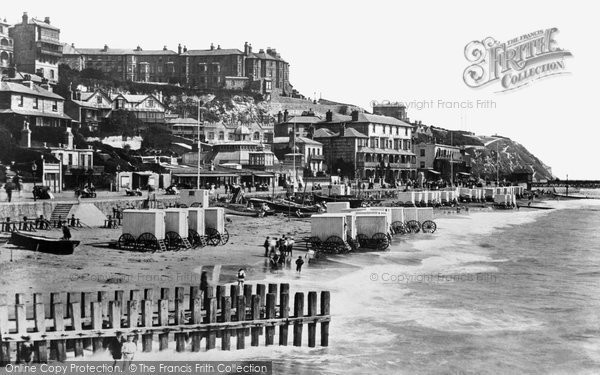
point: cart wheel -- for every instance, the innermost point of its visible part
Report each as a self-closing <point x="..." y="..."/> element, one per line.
<point x="147" y="242"/>
<point x="353" y="244"/>
<point x="314" y="243"/>
<point x="126" y="242"/>
<point x="413" y="226"/>
<point x="194" y="238"/>
<point x="382" y="241"/>
<point x="195" y="204"/>
<point x="362" y="240"/>
<point x="173" y="241"/>
<point x="336" y="244"/>
<point x="428" y="226"/>
<point x="224" y="236"/>
<point x="399" y="227"/>
<point x="213" y="237"/>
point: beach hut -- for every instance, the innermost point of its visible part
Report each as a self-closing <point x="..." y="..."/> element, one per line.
<point x="214" y="224"/>
<point x="194" y="197"/>
<point x="336" y="207"/>
<point x="465" y="194"/>
<point x="372" y="230"/>
<point x="142" y="230"/>
<point x="176" y="228"/>
<point x="407" y="198"/>
<point x="489" y="194"/>
<point x="351" y="222"/>
<point x="196" y="226"/>
<point x="339" y="189"/>
<point x="328" y="232"/>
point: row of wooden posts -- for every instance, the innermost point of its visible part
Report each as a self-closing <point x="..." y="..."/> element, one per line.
<point x="83" y="322"/>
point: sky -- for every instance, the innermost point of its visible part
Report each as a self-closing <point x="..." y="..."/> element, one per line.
<point x="359" y="51"/>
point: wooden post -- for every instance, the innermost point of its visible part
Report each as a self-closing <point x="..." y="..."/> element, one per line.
<point x="179" y="295"/>
<point x="234" y="292"/>
<point x="196" y="319"/>
<point x="147" y="321"/>
<point x="273" y="290"/>
<point x="73" y="297"/>
<point x="149" y="294"/>
<point x="165" y="293"/>
<point x="220" y="295"/>
<point x="76" y="325"/>
<point x="194" y="293"/>
<point x="133" y="314"/>
<point x="119" y="296"/>
<point x="4" y="329"/>
<point x="97" y="325"/>
<point x="284" y="300"/>
<point x="59" y="325"/>
<point x="248" y="294"/>
<point x="86" y="304"/>
<point x="255" y="331"/>
<point x="226" y="317"/>
<point x="207" y="295"/>
<point x="325" y="325"/>
<point x="211" y="317"/>
<point x="114" y="312"/>
<point x="21" y="320"/>
<point x="103" y="299"/>
<point x="163" y="321"/>
<point x="40" y="347"/>
<point x="261" y="291"/>
<point x="179" y="320"/>
<point x="284" y="288"/>
<point x="312" y="312"/>
<point x="270" y="329"/>
<point x="298" y="313"/>
<point x="240" y="317"/>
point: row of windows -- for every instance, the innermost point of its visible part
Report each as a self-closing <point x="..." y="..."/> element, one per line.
<point x="36" y="103"/>
<point x="390" y="129"/>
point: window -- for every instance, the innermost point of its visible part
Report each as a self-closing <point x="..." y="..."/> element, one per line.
<point x="20" y="100"/>
<point x="422" y="164"/>
<point x="405" y="131"/>
<point x="256" y="136"/>
<point x="51" y="74"/>
<point x="397" y="130"/>
<point x="35" y="103"/>
<point x="55" y="106"/>
<point x="99" y="99"/>
<point x="70" y="159"/>
<point x="150" y="103"/>
<point x="422" y="152"/>
<point x="211" y="135"/>
<point x="221" y="136"/>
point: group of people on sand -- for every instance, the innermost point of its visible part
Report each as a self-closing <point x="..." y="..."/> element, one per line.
<point x="122" y="349"/>
<point x="280" y="251"/>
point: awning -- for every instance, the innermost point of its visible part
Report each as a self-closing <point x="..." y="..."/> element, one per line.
<point x="432" y="171"/>
<point x="24" y="112"/>
<point x="464" y="173"/>
<point x="263" y="175"/>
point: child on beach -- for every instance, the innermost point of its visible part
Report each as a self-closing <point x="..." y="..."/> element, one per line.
<point x="266" y="245"/>
<point x="299" y="263"/>
<point x="241" y="277"/>
<point x="128" y="350"/>
<point x="26" y="354"/>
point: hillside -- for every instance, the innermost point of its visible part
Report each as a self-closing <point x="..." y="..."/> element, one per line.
<point x="488" y="151"/>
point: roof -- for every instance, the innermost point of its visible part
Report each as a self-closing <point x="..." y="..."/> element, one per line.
<point x="213" y="52"/>
<point x="307" y="141"/>
<point x="43" y="24"/>
<point x="323" y="133"/>
<point x="35" y="90"/>
<point x="92" y="104"/>
<point x="348" y="133"/>
<point x="336" y="117"/>
<point x="25" y="112"/>
<point x="378" y="119"/>
<point x="123" y="51"/>
<point x="353" y="133"/>
<point x="242" y="130"/>
<point x="131" y="98"/>
<point x="69" y="49"/>
<point x="303" y="120"/>
<point x="388" y="151"/>
<point x="20" y="76"/>
<point x="183" y="121"/>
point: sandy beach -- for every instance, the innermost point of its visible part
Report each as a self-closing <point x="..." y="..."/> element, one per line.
<point x="96" y="266"/>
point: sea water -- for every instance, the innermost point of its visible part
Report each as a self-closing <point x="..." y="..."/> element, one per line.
<point x="489" y="292"/>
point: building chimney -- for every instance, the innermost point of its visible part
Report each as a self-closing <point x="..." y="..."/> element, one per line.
<point x="279" y="117"/>
<point x="25" y="18"/>
<point x="212" y="46"/>
<point x="342" y="129"/>
<point x="285" y="115"/>
<point x="47" y="20"/>
<point x="68" y="139"/>
<point x="329" y="116"/>
<point x="105" y="48"/>
<point x="138" y="48"/>
<point x="249" y="48"/>
<point x="179" y="49"/>
<point x="164" y="48"/>
<point x="218" y="46"/>
<point x="70" y="90"/>
<point x="25" y="135"/>
<point x="72" y="45"/>
<point x="246" y="48"/>
<point x="355" y="115"/>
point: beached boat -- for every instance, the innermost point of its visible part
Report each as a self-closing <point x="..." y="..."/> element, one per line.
<point x="354" y="201"/>
<point x="285" y="206"/>
<point x="43" y="244"/>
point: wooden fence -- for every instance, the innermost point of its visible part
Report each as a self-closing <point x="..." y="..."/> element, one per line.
<point x="75" y="321"/>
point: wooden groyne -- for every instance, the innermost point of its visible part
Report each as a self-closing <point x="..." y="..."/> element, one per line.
<point x="74" y="321"/>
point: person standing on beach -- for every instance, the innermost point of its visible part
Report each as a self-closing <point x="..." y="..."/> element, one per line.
<point x="115" y="346"/>
<point x="241" y="277"/>
<point x="290" y="245"/>
<point x="266" y="245"/>
<point x="203" y="282"/>
<point x="9" y="188"/>
<point x="26" y="353"/>
<point x="299" y="263"/>
<point x="272" y="246"/>
<point x="66" y="232"/>
<point x="128" y="350"/>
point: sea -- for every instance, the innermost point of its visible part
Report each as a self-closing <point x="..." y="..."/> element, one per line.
<point x="498" y="292"/>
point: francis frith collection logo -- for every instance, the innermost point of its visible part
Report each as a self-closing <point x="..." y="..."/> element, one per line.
<point x="514" y="63"/>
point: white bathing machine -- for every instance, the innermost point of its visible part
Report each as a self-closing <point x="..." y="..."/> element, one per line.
<point x="489" y="194"/>
<point x="194" y="197"/>
<point x="465" y="194"/>
<point x="176" y="220"/>
<point x="407" y="198"/>
<point x="425" y="219"/>
<point x="329" y="231"/>
<point x="372" y="230"/>
<point x="336" y="207"/>
<point x="196" y="226"/>
<point x="214" y="224"/>
<point x="142" y="230"/>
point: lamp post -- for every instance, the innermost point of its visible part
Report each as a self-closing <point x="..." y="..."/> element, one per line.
<point x="33" y="169"/>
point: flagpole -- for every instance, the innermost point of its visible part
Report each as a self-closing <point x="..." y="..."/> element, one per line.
<point x="199" y="152"/>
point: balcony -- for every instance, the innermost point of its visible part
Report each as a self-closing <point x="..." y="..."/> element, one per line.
<point x="49" y="49"/>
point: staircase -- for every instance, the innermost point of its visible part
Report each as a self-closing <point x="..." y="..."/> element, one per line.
<point x="62" y="210"/>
